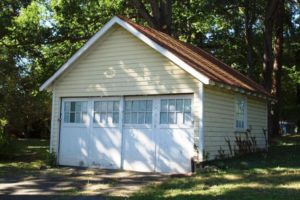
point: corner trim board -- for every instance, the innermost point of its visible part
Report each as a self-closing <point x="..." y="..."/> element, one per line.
<point x="201" y="122"/>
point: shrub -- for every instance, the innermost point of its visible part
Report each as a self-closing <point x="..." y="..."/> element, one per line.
<point x="51" y="158"/>
<point x="5" y="141"/>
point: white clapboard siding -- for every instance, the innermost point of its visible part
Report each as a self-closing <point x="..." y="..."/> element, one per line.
<point x="120" y="64"/>
<point x="219" y="120"/>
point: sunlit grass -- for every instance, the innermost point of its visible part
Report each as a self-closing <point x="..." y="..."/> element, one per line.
<point x="268" y="176"/>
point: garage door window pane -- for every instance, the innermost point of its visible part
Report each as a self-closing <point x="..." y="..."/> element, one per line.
<point x="172" y="118"/>
<point x="164" y="105"/>
<point x="138" y="112"/>
<point x="103" y="118"/>
<point x="172" y="105"/>
<point x="77" y="117"/>
<point x="110" y="106"/>
<point x="116" y="106"/>
<point x="128" y="105"/>
<point x="106" y="112"/>
<point x="127" y="117"/>
<point x="175" y="111"/>
<point x="134" y="118"/>
<point x="103" y="106"/>
<point x="141" y="117"/>
<point x="135" y="106"/>
<point x="116" y="117"/>
<point x="75" y="111"/>
<point x="110" y="117"/>
<point x="67" y="117"/>
<point x="142" y="106"/>
<point x="148" y="118"/>
<point x="187" y="118"/>
<point x="164" y="118"/>
<point x="179" y="105"/>
<point x="187" y="105"/>
<point x="179" y="117"/>
<point x="149" y="105"/>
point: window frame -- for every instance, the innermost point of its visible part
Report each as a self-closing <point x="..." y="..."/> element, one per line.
<point x="183" y="126"/>
<point x="146" y="126"/>
<point x="62" y="118"/>
<point x="236" y="99"/>
<point x="104" y="125"/>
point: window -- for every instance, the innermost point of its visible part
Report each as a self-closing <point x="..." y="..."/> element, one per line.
<point x="75" y="112"/>
<point x="106" y="112"/>
<point x="240" y="113"/>
<point x="176" y="111"/>
<point x="138" y="112"/>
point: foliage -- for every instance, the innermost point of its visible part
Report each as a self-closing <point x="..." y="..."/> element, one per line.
<point x="5" y="140"/>
<point x="38" y="36"/>
<point x="51" y="158"/>
<point x="245" y="145"/>
<point x="23" y="155"/>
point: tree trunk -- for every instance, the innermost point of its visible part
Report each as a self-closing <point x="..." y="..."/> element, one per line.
<point x="277" y="66"/>
<point x="160" y="16"/>
<point x="270" y="11"/>
<point x="249" y="21"/>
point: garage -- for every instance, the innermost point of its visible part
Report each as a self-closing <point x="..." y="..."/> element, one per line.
<point x="149" y="134"/>
<point x="137" y="99"/>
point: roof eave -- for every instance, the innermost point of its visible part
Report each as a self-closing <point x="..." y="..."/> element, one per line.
<point x="242" y="90"/>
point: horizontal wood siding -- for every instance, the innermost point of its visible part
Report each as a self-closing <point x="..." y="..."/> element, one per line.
<point x="120" y="64"/>
<point x="219" y="120"/>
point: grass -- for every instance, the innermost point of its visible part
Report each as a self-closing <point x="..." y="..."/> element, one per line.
<point x="25" y="155"/>
<point x="269" y="176"/>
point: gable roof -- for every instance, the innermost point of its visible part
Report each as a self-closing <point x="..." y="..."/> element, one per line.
<point x="200" y="64"/>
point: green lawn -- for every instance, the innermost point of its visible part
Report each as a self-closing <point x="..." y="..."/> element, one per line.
<point x="273" y="175"/>
<point x="25" y="155"/>
<point x="268" y="176"/>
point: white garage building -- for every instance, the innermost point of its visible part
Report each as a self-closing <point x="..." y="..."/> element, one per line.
<point x="136" y="99"/>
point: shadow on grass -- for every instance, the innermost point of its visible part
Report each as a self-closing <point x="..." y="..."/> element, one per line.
<point x="273" y="175"/>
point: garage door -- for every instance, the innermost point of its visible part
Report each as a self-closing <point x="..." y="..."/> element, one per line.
<point x="73" y="148"/>
<point x="156" y="135"/>
<point x="90" y="133"/>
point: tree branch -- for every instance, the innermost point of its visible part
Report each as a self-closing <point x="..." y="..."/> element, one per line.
<point x="142" y="11"/>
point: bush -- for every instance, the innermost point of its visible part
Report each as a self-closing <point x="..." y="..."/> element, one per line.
<point x="51" y="158"/>
<point x="5" y="141"/>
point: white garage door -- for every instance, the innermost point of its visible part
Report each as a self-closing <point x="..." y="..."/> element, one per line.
<point x="157" y="133"/>
<point x="73" y="148"/>
<point x="90" y="133"/>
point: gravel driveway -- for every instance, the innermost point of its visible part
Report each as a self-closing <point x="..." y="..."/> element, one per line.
<point x="72" y="183"/>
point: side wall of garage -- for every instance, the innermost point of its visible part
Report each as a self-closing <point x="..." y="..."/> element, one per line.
<point x="219" y="120"/>
<point x="119" y="64"/>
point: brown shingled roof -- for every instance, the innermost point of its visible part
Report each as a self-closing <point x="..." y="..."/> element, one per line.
<point x="200" y="60"/>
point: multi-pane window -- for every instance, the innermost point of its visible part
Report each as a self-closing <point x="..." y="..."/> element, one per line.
<point x="138" y="112"/>
<point x="106" y="112"/>
<point x="240" y="113"/>
<point x="75" y="112"/>
<point x="175" y="111"/>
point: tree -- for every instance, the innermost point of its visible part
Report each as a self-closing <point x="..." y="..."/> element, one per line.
<point x="38" y="36"/>
<point x="158" y="13"/>
<point x="250" y="19"/>
<point x="277" y="66"/>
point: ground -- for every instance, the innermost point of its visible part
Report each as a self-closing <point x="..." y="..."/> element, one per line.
<point x="266" y="176"/>
<point x="272" y="175"/>
<point x="25" y="175"/>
